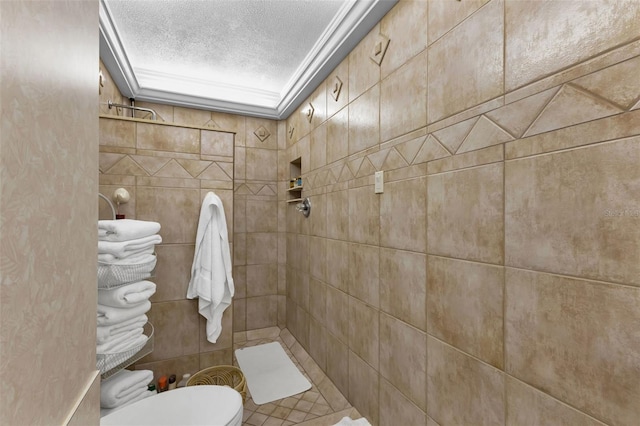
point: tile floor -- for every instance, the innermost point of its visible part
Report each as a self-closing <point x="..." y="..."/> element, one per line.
<point x="322" y="405"/>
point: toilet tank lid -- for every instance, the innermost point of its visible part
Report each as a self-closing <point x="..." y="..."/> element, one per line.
<point x="191" y="405"/>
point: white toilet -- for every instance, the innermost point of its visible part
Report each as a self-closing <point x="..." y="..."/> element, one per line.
<point x="192" y="405"/>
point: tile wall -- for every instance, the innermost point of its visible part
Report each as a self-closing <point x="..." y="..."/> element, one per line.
<point x="168" y="166"/>
<point x="495" y="281"/>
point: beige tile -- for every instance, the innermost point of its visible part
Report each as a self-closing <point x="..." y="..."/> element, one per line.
<point x="240" y="163"/>
<point x="364" y="278"/>
<point x="403" y="222"/>
<point x="239" y="315"/>
<point x="573" y="338"/>
<point x="617" y="84"/>
<point x="239" y="249"/>
<point x="176" y="326"/>
<point x="528" y="406"/>
<point x="403" y="291"/>
<point x="396" y="409"/>
<point x="230" y="123"/>
<point x="262" y="311"/>
<point x="462" y="390"/>
<point x="363" y="72"/>
<point x="302" y="321"/>
<point x="403" y="97"/>
<point x="465" y="210"/>
<point x="363" y="388"/>
<point x="464" y="307"/>
<point x="588" y="23"/>
<point x="338" y="86"/>
<point x="364" y="121"/>
<point x="445" y="15"/>
<point x="492" y="154"/>
<point x="403" y="358"/>
<point x="262" y="248"/>
<point x="483" y="134"/>
<point x="319" y="101"/>
<point x="364" y="331"/>
<point x="466" y="66"/>
<point x="178" y="366"/>
<point x="318" y="147"/>
<point x="261" y="126"/>
<point x="338" y="136"/>
<point x="338" y="314"/>
<point x="431" y="150"/>
<point x="364" y="215"/>
<point x="191" y="116"/>
<point x="216" y="143"/>
<point x="164" y="113"/>
<point x="338" y="363"/>
<point x="318" y="257"/>
<point x="337" y="222"/>
<point x="177" y="210"/>
<point x="240" y="281"/>
<point x="318" y="343"/>
<point x="405" y="25"/>
<point x="262" y="164"/>
<point x="570" y="213"/>
<point x="262" y="280"/>
<point x="318" y="219"/>
<point x="117" y="133"/>
<point x="167" y="138"/>
<point x="318" y="300"/>
<point x="261" y="216"/>
<point x="338" y="264"/>
<point x="453" y="136"/>
<point x="173" y="271"/>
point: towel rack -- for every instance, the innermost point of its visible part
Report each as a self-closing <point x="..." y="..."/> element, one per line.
<point x="113" y="209"/>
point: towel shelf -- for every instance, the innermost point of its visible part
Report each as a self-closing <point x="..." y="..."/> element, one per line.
<point x="110" y="363"/>
<point x="112" y="276"/>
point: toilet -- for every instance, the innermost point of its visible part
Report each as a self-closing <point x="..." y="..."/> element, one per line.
<point x="192" y="405"/>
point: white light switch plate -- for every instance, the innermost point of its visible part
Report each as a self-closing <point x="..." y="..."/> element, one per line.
<point x="379" y="182"/>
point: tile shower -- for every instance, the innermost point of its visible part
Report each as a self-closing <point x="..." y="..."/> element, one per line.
<point x="496" y="278"/>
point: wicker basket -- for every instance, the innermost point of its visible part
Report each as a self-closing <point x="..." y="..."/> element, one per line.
<point x="221" y="375"/>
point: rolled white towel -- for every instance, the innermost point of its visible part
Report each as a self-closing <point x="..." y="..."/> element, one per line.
<point x="108" y="315"/>
<point x="128" y="344"/>
<point x="131" y="257"/>
<point x="107" y="332"/>
<point x="127" y="295"/>
<point x="124" y="386"/>
<point x="115" y="343"/>
<point x="126" y="229"/>
<point x="120" y="249"/>
<point x="348" y="421"/>
<point x="143" y="395"/>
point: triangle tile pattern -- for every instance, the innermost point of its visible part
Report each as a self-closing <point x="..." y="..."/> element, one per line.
<point x="619" y="83"/>
<point x="410" y="149"/>
<point x="310" y="181"/>
<point x="321" y="178"/>
<point x="255" y="187"/>
<point x="173" y="170"/>
<point x="518" y="116"/>
<point x="346" y="174"/>
<point x="107" y="159"/>
<point x="636" y="106"/>
<point x="127" y="166"/>
<point x="243" y="189"/>
<point x="354" y="165"/>
<point x="431" y="150"/>
<point x="267" y="190"/>
<point x="150" y="163"/>
<point x="394" y="161"/>
<point x="571" y="106"/>
<point x="483" y="134"/>
<point x="377" y="158"/>
<point x="451" y="137"/>
<point x="214" y="172"/>
<point x="366" y="169"/>
<point x="226" y="167"/>
<point x="212" y="124"/>
<point x="194" y="167"/>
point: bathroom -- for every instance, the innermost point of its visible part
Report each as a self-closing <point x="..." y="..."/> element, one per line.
<point x="495" y="280"/>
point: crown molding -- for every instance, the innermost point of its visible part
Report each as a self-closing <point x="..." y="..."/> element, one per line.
<point x="352" y="22"/>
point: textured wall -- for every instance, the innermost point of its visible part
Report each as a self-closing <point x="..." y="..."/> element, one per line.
<point x="48" y="175"/>
<point x="495" y="281"/>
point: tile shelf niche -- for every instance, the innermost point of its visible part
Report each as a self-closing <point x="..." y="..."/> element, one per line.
<point x="295" y="173"/>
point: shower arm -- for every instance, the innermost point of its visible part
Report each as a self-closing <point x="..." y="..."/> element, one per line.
<point x="135" y="108"/>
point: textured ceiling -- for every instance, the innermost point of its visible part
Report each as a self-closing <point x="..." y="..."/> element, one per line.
<point x="243" y="56"/>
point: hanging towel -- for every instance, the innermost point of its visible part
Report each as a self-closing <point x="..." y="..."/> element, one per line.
<point x="211" y="279"/>
<point x="127" y="295"/>
<point x="123" y="387"/>
<point x="108" y="332"/>
<point x="108" y="315"/>
<point x="126" y="229"/>
<point x="123" y="248"/>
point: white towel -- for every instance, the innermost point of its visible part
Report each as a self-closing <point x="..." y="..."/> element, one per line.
<point x="143" y="395"/>
<point x="107" y="332"/>
<point x="116" y="343"/>
<point x="136" y="341"/>
<point x="108" y="315"/>
<point x="211" y="279"/>
<point x="348" y="421"/>
<point x="120" y="249"/>
<point x="123" y="387"/>
<point x="127" y="295"/>
<point x="126" y="229"/>
<point x="131" y="257"/>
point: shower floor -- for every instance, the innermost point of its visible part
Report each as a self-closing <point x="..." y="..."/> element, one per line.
<point x="322" y="405"/>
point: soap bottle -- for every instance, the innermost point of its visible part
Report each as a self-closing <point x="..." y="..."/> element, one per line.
<point x="172" y="381"/>
<point x="162" y="384"/>
<point x="185" y="379"/>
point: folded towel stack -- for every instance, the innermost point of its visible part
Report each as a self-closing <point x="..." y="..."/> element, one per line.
<point x="122" y="306"/>
<point x="124" y="388"/>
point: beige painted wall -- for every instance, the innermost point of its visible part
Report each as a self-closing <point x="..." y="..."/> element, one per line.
<point x="48" y="184"/>
<point x="496" y="279"/>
